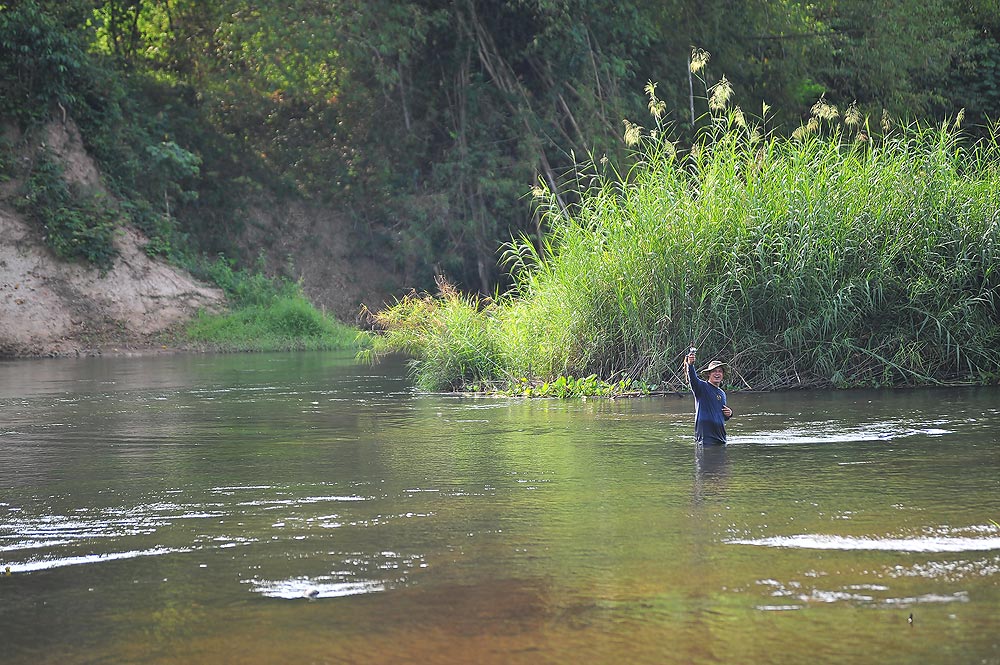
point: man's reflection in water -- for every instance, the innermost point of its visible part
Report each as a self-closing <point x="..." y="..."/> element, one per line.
<point x="711" y="465"/>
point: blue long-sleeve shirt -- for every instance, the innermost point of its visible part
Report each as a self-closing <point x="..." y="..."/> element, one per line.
<point x="709" y="421"/>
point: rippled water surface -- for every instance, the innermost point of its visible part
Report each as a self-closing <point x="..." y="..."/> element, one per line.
<point x="301" y="508"/>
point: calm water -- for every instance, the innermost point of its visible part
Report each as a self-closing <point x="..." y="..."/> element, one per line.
<point x="301" y="508"/>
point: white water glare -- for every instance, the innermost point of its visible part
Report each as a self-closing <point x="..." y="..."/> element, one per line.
<point x="824" y="542"/>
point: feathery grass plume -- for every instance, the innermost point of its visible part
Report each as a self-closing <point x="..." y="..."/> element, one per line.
<point x="959" y="119"/>
<point x="657" y="107"/>
<point x="824" y="110"/>
<point x="669" y="149"/>
<point x="721" y="92"/>
<point x="886" y="121"/>
<point x="739" y="118"/>
<point x="633" y="133"/>
<point x="699" y="59"/>
<point x="852" y="117"/>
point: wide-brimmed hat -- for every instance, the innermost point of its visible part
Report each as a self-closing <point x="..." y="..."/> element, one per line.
<point x="713" y="365"/>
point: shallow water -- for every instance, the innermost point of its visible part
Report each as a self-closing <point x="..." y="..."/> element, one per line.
<point x="302" y="508"/>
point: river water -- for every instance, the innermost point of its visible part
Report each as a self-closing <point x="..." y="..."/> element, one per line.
<point x="302" y="508"/>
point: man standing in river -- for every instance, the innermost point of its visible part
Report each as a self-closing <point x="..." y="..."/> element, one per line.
<point x="710" y="409"/>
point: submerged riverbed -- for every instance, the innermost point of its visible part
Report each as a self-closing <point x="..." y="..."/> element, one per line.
<point x="281" y="508"/>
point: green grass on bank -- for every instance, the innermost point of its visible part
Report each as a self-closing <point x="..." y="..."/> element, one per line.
<point x="266" y="315"/>
<point x="836" y="257"/>
<point x="286" y="325"/>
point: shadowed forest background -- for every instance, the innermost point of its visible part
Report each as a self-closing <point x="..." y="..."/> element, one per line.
<point x="426" y="124"/>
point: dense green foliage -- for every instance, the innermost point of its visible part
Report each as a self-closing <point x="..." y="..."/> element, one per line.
<point x="78" y="225"/>
<point x="42" y="64"/>
<point x="835" y="257"/>
<point x="48" y="71"/>
<point x="429" y="120"/>
<point x="268" y="314"/>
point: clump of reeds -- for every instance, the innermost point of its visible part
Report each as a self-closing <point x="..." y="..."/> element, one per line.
<point x="450" y="336"/>
<point x="840" y="257"/>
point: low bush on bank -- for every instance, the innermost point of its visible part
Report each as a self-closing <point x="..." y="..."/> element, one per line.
<point x="268" y="314"/>
<point x="77" y="225"/>
<point x="835" y="257"/>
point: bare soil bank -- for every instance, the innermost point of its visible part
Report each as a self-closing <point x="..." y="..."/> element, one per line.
<point x="51" y="307"/>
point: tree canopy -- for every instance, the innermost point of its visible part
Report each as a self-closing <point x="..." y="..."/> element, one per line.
<point x="431" y="119"/>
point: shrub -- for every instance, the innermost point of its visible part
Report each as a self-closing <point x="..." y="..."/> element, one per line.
<point x="76" y="224"/>
<point x="269" y="314"/>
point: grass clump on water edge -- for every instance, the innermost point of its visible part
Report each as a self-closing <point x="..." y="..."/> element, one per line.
<point x="448" y="335"/>
<point x="832" y="258"/>
<point x="453" y="339"/>
<point x="268" y="314"/>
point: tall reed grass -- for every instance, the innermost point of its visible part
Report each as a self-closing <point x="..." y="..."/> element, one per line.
<point x="836" y="258"/>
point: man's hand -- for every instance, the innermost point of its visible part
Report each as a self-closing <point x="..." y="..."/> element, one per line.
<point x="727" y="412"/>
